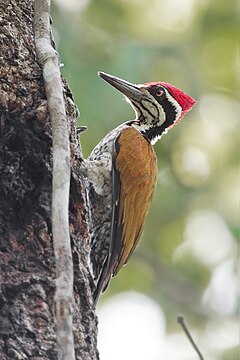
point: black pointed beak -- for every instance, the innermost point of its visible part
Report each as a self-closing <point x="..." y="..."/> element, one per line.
<point x="131" y="91"/>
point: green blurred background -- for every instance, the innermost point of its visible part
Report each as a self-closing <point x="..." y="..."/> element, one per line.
<point x="187" y="258"/>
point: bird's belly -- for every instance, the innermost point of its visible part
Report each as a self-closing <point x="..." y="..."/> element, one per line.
<point x="99" y="168"/>
<point x="100" y="228"/>
<point x="100" y="196"/>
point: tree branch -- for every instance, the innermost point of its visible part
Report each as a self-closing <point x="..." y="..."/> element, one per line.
<point x="48" y="59"/>
<point x="180" y="320"/>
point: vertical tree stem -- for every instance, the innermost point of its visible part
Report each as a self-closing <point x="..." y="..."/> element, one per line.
<point x="48" y="58"/>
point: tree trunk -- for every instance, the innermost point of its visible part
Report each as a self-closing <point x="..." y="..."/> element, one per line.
<point x="27" y="275"/>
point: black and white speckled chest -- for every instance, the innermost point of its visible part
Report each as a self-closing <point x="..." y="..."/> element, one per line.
<point x="99" y="173"/>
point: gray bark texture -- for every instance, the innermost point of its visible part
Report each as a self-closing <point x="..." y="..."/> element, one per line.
<point x="27" y="263"/>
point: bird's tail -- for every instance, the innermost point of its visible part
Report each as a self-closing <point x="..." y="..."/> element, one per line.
<point x="103" y="281"/>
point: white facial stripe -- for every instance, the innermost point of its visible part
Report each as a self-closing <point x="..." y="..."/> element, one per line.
<point x="175" y="104"/>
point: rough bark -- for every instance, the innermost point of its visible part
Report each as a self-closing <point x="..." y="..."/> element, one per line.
<point x="27" y="275"/>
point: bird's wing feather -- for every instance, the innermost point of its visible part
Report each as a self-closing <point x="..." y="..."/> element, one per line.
<point x="134" y="175"/>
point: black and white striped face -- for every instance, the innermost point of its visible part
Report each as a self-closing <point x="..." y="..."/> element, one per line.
<point x="158" y="105"/>
<point x="156" y="111"/>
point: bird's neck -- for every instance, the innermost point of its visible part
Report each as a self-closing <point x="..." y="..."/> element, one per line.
<point x="153" y="132"/>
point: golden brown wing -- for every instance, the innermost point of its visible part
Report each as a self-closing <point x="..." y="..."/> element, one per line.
<point x="134" y="180"/>
<point x="134" y="175"/>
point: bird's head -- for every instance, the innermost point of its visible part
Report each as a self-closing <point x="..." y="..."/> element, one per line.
<point x="158" y="105"/>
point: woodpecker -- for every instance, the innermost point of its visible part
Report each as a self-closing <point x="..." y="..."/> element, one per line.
<point x="122" y="173"/>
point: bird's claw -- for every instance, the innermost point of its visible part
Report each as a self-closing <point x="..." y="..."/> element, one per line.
<point x="81" y="129"/>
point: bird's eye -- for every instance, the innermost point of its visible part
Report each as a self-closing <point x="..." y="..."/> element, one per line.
<point x="159" y="93"/>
